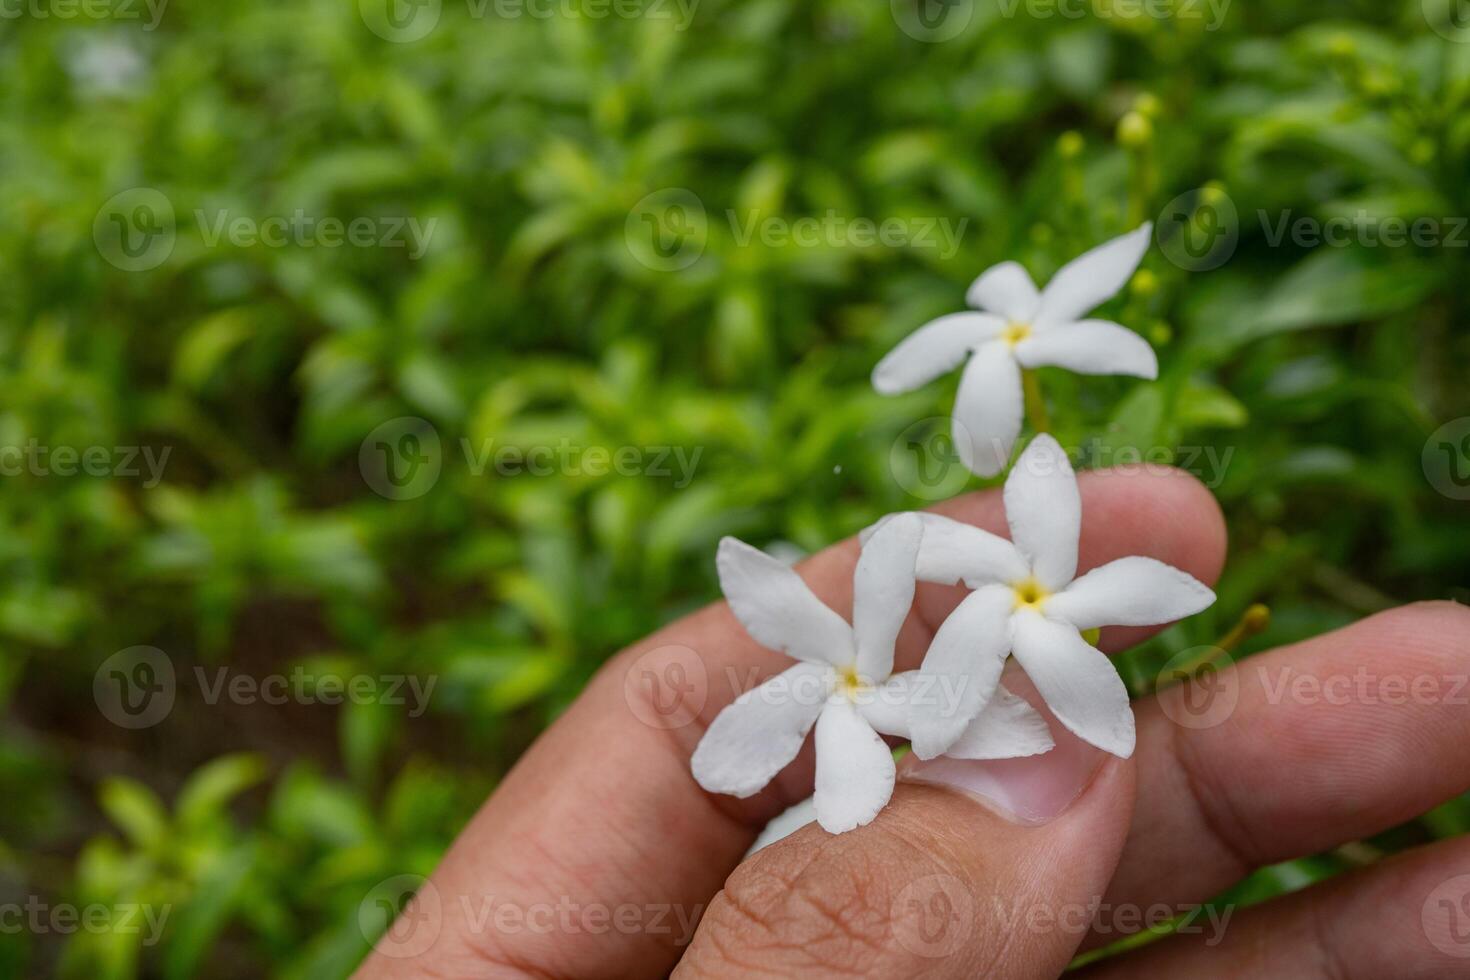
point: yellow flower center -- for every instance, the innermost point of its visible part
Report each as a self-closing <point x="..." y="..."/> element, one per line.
<point x="1014" y="333"/>
<point x="850" y="683"/>
<point x="1030" y="594"/>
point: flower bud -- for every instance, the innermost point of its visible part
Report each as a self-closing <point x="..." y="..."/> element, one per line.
<point x="1134" y="130"/>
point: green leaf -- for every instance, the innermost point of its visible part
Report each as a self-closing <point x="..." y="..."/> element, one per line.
<point x="204" y="796"/>
<point x="135" y="809"/>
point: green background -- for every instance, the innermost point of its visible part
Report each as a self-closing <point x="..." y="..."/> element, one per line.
<point x="539" y="315"/>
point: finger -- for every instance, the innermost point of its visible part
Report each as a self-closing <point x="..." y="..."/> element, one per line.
<point x="1306" y="747"/>
<point x="1407" y="918"/>
<point x="975" y="869"/>
<point x="602" y="813"/>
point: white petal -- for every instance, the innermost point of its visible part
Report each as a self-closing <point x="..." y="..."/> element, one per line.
<point x="1078" y="681"/>
<point x="882" y="592"/>
<point x="1133" y="591"/>
<point x="854" y="770"/>
<point x="886" y="707"/>
<point x="760" y="732"/>
<point x="1091" y="279"/>
<point x="1008" y="728"/>
<point x="1006" y="289"/>
<point x="936" y="348"/>
<point x="953" y="552"/>
<point x="1044" y="511"/>
<point x="788" y="822"/>
<point x="988" y="409"/>
<point x="776" y="607"/>
<point x="1090" y="347"/>
<point x="961" y="669"/>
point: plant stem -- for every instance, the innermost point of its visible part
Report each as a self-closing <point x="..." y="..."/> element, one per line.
<point x="1035" y="403"/>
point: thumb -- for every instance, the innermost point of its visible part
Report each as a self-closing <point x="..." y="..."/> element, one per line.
<point x="976" y="868"/>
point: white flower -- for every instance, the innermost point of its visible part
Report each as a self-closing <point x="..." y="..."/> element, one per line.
<point x="843" y="684"/>
<point x="1028" y="601"/>
<point x="1021" y="328"/>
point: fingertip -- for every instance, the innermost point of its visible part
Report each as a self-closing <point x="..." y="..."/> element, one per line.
<point x="1157" y="511"/>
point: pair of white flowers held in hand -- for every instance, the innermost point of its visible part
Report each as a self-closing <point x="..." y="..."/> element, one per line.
<point x="1020" y="328"/>
<point x="1027" y="601"/>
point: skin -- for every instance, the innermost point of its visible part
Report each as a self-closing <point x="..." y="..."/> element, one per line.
<point x="602" y="819"/>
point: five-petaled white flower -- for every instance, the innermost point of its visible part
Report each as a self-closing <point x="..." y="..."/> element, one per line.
<point x="843" y="684"/>
<point x="1028" y="601"/>
<point x="1021" y="328"/>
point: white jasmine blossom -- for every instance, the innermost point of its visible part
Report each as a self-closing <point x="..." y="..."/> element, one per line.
<point x="1028" y="600"/>
<point x="843" y="684"/>
<point x="1018" y="327"/>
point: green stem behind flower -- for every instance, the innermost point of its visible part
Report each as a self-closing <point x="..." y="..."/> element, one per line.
<point x="1035" y="403"/>
<point x="1255" y="619"/>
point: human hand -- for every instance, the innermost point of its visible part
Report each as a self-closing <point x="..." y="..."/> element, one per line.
<point x="598" y="854"/>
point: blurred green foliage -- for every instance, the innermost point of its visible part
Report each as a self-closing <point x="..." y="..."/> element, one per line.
<point x="1301" y="382"/>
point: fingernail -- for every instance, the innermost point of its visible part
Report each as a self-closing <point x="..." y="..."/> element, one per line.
<point x="1031" y="791"/>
